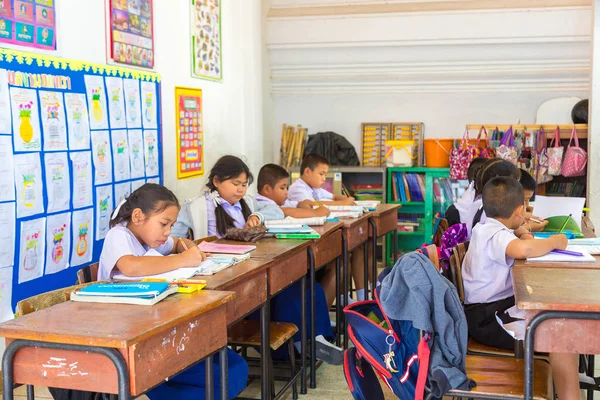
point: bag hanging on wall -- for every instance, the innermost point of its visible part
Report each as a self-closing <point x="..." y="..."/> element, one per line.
<point x="460" y="158"/>
<point x="495" y="140"/>
<point x="541" y="174"/>
<point x="575" y="158"/>
<point x="507" y="149"/>
<point x="483" y="151"/>
<point x="555" y="154"/>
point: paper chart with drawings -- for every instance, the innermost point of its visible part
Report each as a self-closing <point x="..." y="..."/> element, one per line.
<point x="32" y="249"/>
<point x="132" y="103"/>
<point x="26" y="120"/>
<point x="58" y="247"/>
<point x="151" y="152"/>
<point x="101" y="153"/>
<point x="116" y="103"/>
<point x="77" y="121"/>
<point x="104" y="209"/>
<point x="122" y="191"/>
<point x="149" y="110"/>
<point x="120" y="151"/>
<point x="136" y="153"/>
<point x="7" y="173"/>
<point x="137" y="184"/>
<point x="82" y="223"/>
<point x="82" y="179"/>
<point x="5" y="117"/>
<point x="28" y="181"/>
<point x="6" y="285"/>
<point x="54" y="124"/>
<point x="7" y="234"/>
<point x="96" y="95"/>
<point x="57" y="181"/>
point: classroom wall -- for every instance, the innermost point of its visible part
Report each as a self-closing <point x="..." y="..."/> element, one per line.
<point x="233" y="117"/>
<point x="335" y="64"/>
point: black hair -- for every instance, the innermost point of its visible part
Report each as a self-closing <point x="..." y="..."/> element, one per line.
<point x="228" y="167"/>
<point x="474" y="167"/>
<point x="150" y="198"/>
<point x="493" y="168"/>
<point x="312" y="161"/>
<point x="270" y="174"/>
<point x="502" y="196"/>
<point x="527" y="181"/>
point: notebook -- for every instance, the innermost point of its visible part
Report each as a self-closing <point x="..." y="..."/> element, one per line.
<point x="294" y="229"/>
<point x="358" y="209"/>
<point x="292" y="222"/>
<point x="370" y="205"/>
<point x="557" y="257"/>
<point x="147" y="289"/>
<point x="345" y="214"/>
<point x="228" y="258"/>
<point x="146" y="301"/>
<point x="592" y="249"/>
<point x="212" y="247"/>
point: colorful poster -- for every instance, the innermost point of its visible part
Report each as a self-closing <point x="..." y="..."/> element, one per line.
<point x="149" y="105"/>
<point x="151" y="152"/>
<point x="104" y="209"/>
<point x="6" y="283"/>
<point x="132" y="103"/>
<point x="122" y="191"/>
<point x="190" y="132"/>
<point x="7" y="234"/>
<point x="26" y="134"/>
<point x="116" y="103"/>
<point x="120" y="150"/>
<point x="32" y="249"/>
<point x="206" y="39"/>
<point x="7" y="173"/>
<point x="82" y="223"/>
<point x="28" y="181"/>
<point x="54" y="123"/>
<point x="136" y="153"/>
<point x="102" y="157"/>
<point x="96" y="96"/>
<point x="5" y="118"/>
<point x="137" y="184"/>
<point x="26" y="24"/>
<point x="58" y="247"/>
<point x="131" y="32"/>
<point x="77" y="121"/>
<point x="57" y="181"/>
<point x="82" y="179"/>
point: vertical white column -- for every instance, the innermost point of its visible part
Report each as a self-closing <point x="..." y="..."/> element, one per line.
<point x="593" y="189"/>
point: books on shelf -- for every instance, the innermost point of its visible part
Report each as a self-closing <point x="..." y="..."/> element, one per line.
<point x="220" y="248"/>
<point x="409" y="222"/>
<point x="291" y="222"/>
<point x="443" y="191"/>
<point x="408" y="187"/>
<point x="367" y="192"/>
<point x="146" y="293"/>
<point x="568" y="189"/>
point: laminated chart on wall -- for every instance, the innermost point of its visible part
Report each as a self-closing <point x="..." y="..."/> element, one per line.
<point x="75" y="139"/>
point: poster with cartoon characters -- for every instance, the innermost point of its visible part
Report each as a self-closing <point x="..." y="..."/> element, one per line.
<point x="28" y="24"/>
<point x="58" y="246"/>
<point x="131" y="32"/>
<point x="206" y="39"/>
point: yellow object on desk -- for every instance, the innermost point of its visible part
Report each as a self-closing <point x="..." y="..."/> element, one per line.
<point x="190" y="286"/>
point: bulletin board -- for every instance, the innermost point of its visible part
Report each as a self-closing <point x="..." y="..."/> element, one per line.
<point x="190" y="132"/>
<point x="75" y="138"/>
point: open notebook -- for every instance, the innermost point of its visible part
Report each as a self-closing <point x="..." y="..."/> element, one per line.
<point x="557" y="257"/>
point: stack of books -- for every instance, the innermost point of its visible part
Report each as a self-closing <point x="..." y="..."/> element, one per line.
<point x="367" y="192"/>
<point x="409" y="222"/>
<point x="294" y="231"/>
<point x="290" y="221"/>
<point x="141" y="293"/>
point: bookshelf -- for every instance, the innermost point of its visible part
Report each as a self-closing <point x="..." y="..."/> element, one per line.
<point x="419" y="212"/>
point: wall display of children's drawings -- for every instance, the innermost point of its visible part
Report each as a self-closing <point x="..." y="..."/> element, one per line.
<point x="77" y="121"/>
<point x="29" y="186"/>
<point x="132" y="103"/>
<point x="101" y="152"/>
<point x="120" y="150"/>
<point x="32" y="249"/>
<point x="58" y="246"/>
<point x="137" y="184"/>
<point x="96" y="95"/>
<point x="54" y="124"/>
<point x="104" y="209"/>
<point x="64" y="163"/>
<point x="131" y="32"/>
<point x="7" y="177"/>
<point x="153" y="180"/>
<point x="7" y="234"/>
<point x="26" y="122"/>
<point x="206" y="39"/>
<point x="29" y="25"/>
<point x="57" y="181"/>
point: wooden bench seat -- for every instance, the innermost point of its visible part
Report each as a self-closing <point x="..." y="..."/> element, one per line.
<point x="247" y="333"/>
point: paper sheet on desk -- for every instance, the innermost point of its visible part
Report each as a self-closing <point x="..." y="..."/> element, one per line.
<point x="556" y="206"/>
<point x="557" y="257"/>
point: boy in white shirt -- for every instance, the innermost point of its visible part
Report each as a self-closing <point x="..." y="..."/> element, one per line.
<point x="487" y="273"/>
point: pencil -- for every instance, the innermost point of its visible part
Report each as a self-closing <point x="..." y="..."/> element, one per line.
<point x="315" y="199"/>
<point x="565" y="224"/>
<point x="536" y="220"/>
<point x="183" y="244"/>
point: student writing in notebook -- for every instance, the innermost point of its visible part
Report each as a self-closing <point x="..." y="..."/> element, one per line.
<point x="487" y="276"/>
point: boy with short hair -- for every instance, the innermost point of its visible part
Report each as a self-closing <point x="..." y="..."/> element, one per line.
<point x="487" y="273"/>
<point x="529" y="186"/>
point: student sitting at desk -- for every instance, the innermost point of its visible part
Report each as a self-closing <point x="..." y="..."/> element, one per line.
<point x="313" y="172"/>
<point x="142" y="222"/>
<point x="224" y="204"/>
<point x="487" y="277"/>
<point x="529" y="185"/>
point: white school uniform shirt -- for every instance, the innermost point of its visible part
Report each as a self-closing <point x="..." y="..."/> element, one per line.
<point x="119" y="242"/>
<point x="260" y="199"/>
<point x="464" y="203"/>
<point x="486" y="269"/>
<point x="300" y="191"/>
<point x="473" y="209"/>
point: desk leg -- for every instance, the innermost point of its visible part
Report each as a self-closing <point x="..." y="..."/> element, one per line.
<point x="30" y="392"/>
<point x="338" y="306"/>
<point x="224" y="373"/>
<point x="265" y="348"/>
<point x="395" y="245"/>
<point x="112" y="354"/>
<point x="366" y="267"/>
<point x="374" y="256"/>
<point x="209" y="377"/>
<point x="313" y="320"/>
<point x="530" y="337"/>
<point x="303" y="334"/>
<point x="345" y="286"/>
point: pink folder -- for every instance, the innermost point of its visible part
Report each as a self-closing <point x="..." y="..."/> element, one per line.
<point x="211" y="247"/>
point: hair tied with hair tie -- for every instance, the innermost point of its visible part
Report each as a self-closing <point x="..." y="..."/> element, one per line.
<point x="215" y="197"/>
<point x="116" y="212"/>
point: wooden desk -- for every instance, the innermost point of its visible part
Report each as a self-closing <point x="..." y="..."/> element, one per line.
<point x="116" y="348"/>
<point x="565" y="311"/>
<point x="569" y="265"/>
<point x="382" y="221"/>
<point x="271" y="248"/>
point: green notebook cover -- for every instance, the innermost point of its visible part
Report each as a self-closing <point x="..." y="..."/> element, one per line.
<point x="557" y="222"/>
<point x="297" y="236"/>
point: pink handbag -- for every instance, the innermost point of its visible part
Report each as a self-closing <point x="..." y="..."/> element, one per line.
<point x="460" y="158"/>
<point x="555" y="154"/>
<point x="541" y="158"/>
<point x="575" y="158"/>
<point x="507" y="149"/>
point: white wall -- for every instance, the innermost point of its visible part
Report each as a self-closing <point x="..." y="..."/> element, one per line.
<point x="232" y="108"/>
<point x="335" y="67"/>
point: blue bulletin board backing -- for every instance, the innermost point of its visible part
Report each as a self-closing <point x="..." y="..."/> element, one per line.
<point x="118" y="118"/>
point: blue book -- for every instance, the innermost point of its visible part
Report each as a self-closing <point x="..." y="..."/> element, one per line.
<point x="133" y="289"/>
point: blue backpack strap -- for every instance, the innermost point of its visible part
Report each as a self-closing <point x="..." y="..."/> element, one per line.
<point x="361" y="378"/>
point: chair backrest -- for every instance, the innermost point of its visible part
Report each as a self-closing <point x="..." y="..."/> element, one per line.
<point x="46" y="300"/>
<point x="88" y="274"/>
<point x="441" y="226"/>
<point x="458" y="255"/>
